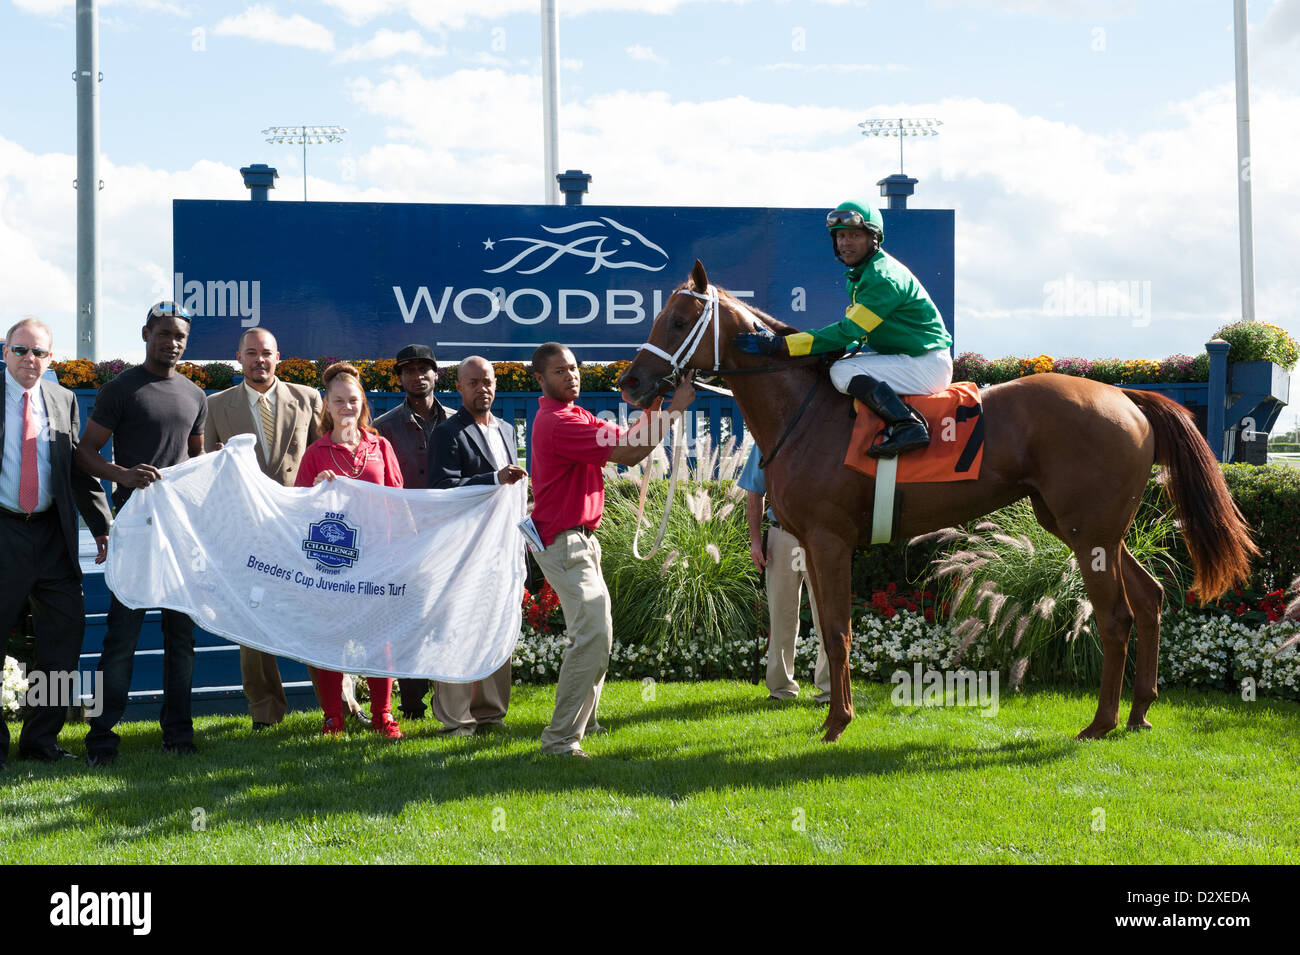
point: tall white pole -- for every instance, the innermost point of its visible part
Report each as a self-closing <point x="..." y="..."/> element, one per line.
<point x="550" y="101"/>
<point x="87" y="77"/>
<point x="1243" y="164"/>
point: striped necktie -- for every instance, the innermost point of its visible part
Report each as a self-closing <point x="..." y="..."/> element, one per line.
<point x="29" y="483"/>
<point x="268" y="425"/>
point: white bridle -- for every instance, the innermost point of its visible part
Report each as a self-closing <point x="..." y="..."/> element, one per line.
<point x="687" y="348"/>
<point x="710" y="315"/>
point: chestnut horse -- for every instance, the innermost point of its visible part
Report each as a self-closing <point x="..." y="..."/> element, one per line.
<point x="1080" y="451"/>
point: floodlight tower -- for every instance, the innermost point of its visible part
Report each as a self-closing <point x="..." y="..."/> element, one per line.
<point x="304" y="136"/>
<point x="900" y="185"/>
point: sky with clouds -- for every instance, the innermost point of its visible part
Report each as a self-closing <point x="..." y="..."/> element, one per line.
<point x="1082" y="140"/>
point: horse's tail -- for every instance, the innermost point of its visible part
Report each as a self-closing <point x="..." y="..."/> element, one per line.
<point x="1216" y="533"/>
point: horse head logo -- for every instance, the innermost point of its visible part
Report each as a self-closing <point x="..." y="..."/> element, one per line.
<point x="609" y="245"/>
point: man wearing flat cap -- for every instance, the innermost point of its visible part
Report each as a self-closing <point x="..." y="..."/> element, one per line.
<point x="409" y="429"/>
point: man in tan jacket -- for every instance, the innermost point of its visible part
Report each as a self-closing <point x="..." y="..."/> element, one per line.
<point x="285" y="418"/>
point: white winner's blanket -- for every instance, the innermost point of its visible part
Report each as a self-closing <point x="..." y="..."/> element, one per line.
<point x="347" y="575"/>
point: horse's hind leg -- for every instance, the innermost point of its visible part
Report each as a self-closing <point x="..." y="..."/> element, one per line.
<point x="829" y="563"/>
<point x="1146" y="597"/>
<point x="1101" y="569"/>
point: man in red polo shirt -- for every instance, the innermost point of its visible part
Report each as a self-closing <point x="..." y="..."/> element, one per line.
<point x="570" y="446"/>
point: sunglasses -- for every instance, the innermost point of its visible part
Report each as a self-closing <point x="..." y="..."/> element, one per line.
<point x="845" y="219"/>
<point x="167" y="309"/>
<point x="22" y="350"/>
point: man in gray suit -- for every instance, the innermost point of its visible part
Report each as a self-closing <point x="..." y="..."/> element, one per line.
<point x="285" y="418"/>
<point x="473" y="447"/>
<point x="41" y="491"/>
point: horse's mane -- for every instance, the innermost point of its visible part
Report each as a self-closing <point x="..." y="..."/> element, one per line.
<point x="775" y="324"/>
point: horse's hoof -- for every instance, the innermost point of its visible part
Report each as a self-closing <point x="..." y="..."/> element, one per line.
<point x="1139" y="725"/>
<point x="1094" y="731"/>
<point x="832" y="734"/>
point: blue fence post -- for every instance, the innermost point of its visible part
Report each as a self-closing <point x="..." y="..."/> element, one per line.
<point x="1218" y="397"/>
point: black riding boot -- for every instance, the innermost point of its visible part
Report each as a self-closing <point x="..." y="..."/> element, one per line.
<point x="905" y="428"/>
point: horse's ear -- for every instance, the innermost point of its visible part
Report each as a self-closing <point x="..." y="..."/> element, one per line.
<point x="698" y="278"/>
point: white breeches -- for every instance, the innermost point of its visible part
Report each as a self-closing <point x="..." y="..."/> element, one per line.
<point x="907" y="375"/>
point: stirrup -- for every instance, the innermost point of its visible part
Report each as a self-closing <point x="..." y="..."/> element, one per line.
<point x="910" y="436"/>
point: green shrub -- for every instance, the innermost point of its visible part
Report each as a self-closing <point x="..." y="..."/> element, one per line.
<point x="1269" y="498"/>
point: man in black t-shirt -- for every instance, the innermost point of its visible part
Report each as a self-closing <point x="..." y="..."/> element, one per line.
<point x="155" y="418"/>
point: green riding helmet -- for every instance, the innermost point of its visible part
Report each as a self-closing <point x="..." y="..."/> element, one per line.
<point x="854" y="215"/>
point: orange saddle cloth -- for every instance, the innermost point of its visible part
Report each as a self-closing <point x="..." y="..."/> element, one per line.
<point x="956" y="448"/>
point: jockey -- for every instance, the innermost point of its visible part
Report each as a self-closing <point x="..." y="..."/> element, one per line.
<point x="891" y="313"/>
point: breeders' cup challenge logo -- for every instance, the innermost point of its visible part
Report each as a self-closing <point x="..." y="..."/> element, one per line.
<point x="332" y="543"/>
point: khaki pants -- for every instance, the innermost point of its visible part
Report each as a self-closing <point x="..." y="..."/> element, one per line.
<point x="262" y="685"/>
<point x="462" y="706"/>
<point x="784" y="594"/>
<point x="572" y="568"/>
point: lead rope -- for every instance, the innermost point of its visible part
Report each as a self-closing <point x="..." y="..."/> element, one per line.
<point x="679" y="449"/>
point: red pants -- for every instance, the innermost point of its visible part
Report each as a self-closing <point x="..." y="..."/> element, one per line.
<point x="331" y="695"/>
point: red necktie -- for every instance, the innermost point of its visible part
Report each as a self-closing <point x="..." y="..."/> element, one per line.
<point x="29" y="484"/>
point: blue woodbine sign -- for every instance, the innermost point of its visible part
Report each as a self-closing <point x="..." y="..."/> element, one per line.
<point x="361" y="280"/>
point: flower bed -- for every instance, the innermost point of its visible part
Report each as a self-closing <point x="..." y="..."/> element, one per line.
<point x="1195" y="652"/>
<point x="379" y="375"/>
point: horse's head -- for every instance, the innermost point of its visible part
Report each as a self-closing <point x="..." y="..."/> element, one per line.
<point x="693" y="331"/>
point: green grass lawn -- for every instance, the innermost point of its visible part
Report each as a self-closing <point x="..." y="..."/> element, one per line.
<point x="705" y="772"/>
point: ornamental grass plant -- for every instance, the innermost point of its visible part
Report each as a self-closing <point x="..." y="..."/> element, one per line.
<point x="700" y="589"/>
<point x="1017" y="598"/>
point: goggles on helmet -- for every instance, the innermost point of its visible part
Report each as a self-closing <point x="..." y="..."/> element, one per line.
<point x="846" y="219"/>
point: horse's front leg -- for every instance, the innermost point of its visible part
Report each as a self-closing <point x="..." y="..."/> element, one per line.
<point x="829" y="565"/>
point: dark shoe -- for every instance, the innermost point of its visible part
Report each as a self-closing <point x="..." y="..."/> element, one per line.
<point x="361" y="716"/>
<point x="180" y="749"/>
<point x="905" y="429"/>
<point x="413" y="714"/>
<point x="101" y="759"/>
<point x="258" y="727"/>
<point x="45" y="755"/>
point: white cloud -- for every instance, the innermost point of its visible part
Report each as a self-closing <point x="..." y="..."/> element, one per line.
<point x="1086" y="9"/>
<point x="388" y="43"/>
<point x="569" y="63"/>
<point x="262" y="23"/>
<point x="1281" y="26"/>
<point x="38" y="252"/>
<point x="639" y="52"/>
<point x="54" y="7"/>
<point x="1035" y="199"/>
<point x="455" y="14"/>
<point x="836" y="67"/>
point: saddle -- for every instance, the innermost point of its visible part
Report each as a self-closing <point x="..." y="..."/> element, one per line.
<point x="956" y="449"/>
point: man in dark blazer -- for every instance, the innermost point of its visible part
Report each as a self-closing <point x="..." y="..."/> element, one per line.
<point x="41" y="491"/>
<point x="473" y="447"/>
